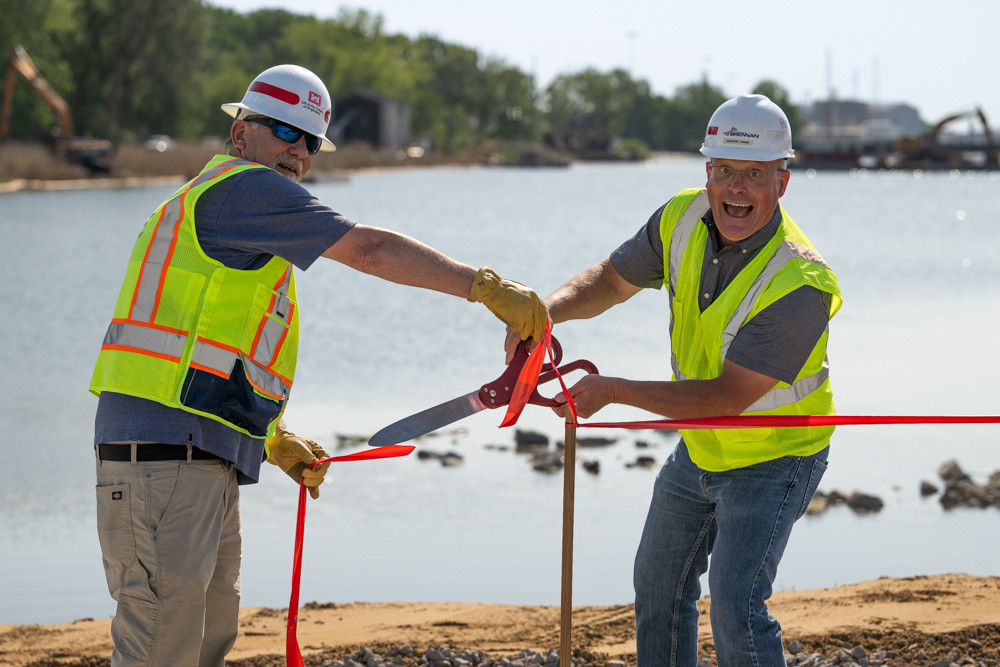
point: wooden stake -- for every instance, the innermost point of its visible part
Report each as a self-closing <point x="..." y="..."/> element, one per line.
<point x="569" y="481"/>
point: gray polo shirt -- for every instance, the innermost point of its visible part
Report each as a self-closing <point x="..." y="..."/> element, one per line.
<point x="242" y="222"/>
<point x="778" y="340"/>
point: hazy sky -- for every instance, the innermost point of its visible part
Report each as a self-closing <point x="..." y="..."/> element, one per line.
<point x="941" y="57"/>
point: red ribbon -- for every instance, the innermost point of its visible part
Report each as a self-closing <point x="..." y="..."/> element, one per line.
<point x="786" y="421"/>
<point x="526" y="382"/>
<point x="293" y="656"/>
<point x="527" y="379"/>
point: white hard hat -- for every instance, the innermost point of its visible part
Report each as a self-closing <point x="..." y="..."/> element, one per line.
<point x="748" y="127"/>
<point x="291" y="94"/>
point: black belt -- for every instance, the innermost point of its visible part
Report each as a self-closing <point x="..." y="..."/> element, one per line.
<point x="151" y="451"/>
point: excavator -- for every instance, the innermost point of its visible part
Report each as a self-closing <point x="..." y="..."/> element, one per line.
<point x="92" y="154"/>
<point x="928" y="151"/>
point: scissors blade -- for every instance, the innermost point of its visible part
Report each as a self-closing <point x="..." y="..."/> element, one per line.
<point x="428" y="420"/>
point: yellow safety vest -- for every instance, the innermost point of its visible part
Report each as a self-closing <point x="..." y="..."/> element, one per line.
<point x="700" y="340"/>
<point x="191" y="333"/>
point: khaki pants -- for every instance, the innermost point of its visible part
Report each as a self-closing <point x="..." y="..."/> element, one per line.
<point x="171" y="542"/>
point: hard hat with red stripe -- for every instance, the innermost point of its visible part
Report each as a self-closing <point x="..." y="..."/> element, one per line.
<point x="291" y="94"/>
<point x="748" y="127"/>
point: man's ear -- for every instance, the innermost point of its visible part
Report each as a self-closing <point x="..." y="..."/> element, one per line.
<point x="237" y="134"/>
<point x="783" y="176"/>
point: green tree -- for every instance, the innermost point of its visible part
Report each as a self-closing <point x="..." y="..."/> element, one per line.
<point x="136" y="64"/>
<point x="690" y="109"/>
<point x="506" y="107"/>
<point x="129" y="68"/>
<point x="443" y="107"/>
<point x="590" y="108"/>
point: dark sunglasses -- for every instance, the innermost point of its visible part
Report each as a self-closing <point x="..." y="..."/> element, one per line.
<point x="287" y="132"/>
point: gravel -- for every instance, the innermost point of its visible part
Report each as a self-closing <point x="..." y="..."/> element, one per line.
<point x="973" y="654"/>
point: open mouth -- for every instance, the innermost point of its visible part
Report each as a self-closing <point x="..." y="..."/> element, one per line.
<point x="288" y="170"/>
<point x="737" y="210"/>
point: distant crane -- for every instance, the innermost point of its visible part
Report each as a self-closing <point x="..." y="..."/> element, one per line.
<point x="88" y="152"/>
<point x="929" y="150"/>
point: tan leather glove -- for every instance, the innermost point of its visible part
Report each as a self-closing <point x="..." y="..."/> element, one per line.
<point x="293" y="453"/>
<point x="518" y="306"/>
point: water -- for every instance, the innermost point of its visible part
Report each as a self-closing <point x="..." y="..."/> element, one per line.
<point x="917" y="260"/>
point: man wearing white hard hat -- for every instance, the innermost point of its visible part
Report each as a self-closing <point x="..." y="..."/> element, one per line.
<point x="750" y="301"/>
<point x="196" y="367"/>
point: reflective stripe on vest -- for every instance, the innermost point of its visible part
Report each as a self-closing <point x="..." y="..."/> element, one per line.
<point x="161" y="248"/>
<point x="271" y="334"/>
<point x="779" y="396"/>
<point x="157" y="341"/>
<point x="208" y="355"/>
<point x="678" y="242"/>
<point x="682" y="234"/>
<point x="787" y="251"/>
<point x="700" y="340"/>
<point x="192" y="334"/>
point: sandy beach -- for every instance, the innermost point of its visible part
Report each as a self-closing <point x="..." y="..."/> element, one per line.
<point x="933" y="614"/>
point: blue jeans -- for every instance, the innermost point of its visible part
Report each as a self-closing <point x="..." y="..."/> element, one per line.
<point x="743" y="518"/>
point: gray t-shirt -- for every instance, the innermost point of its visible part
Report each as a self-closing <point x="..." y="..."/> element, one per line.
<point x="779" y="339"/>
<point x="242" y="222"/>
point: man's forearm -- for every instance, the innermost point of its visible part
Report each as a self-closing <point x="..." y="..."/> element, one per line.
<point x="589" y="294"/>
<point x="731" y="393"/>
<point x="402" y="259"/>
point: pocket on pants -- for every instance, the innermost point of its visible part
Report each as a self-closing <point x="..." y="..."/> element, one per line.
<point x="114" y="524"/>
<point x="116" y="533"/>
<point x="816" y="471"/>
<point x="128" y="581"/>
<point x="133" y="626"/>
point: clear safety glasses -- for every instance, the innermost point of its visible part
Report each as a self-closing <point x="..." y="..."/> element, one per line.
<point x="722" y="173"/>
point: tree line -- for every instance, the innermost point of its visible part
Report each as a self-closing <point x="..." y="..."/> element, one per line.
<point x="132" y="68"/>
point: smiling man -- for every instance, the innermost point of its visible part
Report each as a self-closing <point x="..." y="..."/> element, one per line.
<point x="750" y="301"/>
<point x="196" y="367"/>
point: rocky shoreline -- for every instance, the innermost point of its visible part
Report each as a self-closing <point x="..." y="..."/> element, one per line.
<point x="921" y="621"/>
<point x="959" y="488"/>
<point x="974" y="653"/>
<point x="443" y="656"/>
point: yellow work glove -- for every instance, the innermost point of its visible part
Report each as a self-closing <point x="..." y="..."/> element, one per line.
<point x="293" y="453"/>
<point x="518" y="306"/>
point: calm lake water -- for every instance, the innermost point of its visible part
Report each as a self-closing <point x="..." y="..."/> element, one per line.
<point x="917" y="257"/>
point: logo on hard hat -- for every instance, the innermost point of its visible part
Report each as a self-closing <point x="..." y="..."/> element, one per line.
<point x="736" y="133"/>
<point x="314" y="103"/>
<point x="712" y="129"/>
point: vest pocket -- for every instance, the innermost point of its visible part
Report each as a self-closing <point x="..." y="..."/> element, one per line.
<point x="267" y="328"/>
<point x="232" y="399"/>
<point x="742" y="447"/>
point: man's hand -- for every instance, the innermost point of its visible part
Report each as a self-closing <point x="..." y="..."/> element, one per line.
<point x="293" y="454"/>
<point x="518" y="306"/>
<point x="590" y="394"/>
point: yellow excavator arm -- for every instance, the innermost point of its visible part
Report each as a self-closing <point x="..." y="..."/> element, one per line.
<point x="19" y="63"/>
<point x="91" y="153"/>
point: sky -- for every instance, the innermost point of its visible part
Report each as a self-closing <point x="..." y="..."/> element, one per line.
<point x="940" y="57"/>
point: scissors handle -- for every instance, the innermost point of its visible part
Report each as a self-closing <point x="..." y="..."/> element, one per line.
<point x="499" y="392"/>
<point x="579" y="364"/>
